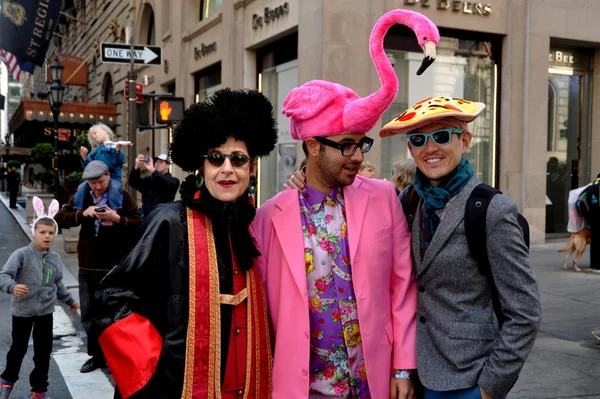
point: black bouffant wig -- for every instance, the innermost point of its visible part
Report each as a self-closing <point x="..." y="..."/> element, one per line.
<point x="246" y="115"/>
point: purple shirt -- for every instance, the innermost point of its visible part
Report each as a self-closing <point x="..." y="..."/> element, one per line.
<point x="337" y="365"/>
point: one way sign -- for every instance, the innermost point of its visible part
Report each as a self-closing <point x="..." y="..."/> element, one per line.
<point x="116" y="53"/>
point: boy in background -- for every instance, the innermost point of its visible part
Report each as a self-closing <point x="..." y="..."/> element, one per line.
<point x="33" y="275"/>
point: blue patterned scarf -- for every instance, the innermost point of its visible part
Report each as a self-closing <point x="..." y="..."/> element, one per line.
<point x="435" y="198"/>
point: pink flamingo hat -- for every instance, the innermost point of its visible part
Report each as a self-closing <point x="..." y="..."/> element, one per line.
<point x="319" y="108"/>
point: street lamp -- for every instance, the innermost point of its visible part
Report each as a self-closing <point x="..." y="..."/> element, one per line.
<point x="55" y="98"/>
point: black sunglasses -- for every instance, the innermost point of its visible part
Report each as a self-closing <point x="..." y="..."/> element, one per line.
<point x="348" y="149"/>
<point x="218" y="159"/>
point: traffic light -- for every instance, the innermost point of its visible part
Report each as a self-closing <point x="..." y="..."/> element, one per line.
<point x="169" y="109"/>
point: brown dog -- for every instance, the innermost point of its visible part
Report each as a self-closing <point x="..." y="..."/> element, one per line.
<point x="577" y="242"/>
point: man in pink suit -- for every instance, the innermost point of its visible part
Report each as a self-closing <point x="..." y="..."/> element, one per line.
<point x="336" y="263"/>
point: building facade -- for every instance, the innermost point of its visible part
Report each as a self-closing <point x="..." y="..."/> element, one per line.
<point x="531" y="62"/>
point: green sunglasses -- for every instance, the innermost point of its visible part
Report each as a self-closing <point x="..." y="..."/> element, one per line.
<point x="439" y="137"/>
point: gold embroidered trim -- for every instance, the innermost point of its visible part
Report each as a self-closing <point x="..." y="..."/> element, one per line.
<point x="267" y="336"/>
<point x="249" y="329"/>
<point x="188" y="380"/>
<point x="234" y="300"/>
<point x="257" y="334"/>
<point x="214" y="360"/>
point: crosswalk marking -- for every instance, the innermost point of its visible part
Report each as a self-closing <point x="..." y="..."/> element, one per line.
<point x="69" y="359"/>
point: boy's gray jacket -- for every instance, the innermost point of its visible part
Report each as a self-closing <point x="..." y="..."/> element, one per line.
<point x="458" y="342"/>
<point x="44" y="281"/>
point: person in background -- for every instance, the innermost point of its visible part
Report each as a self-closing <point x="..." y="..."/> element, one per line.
<point x="13" y="179"/>
<point x="403" y="173"/>
<point x="158" y="187"/>
<point x="33" y="276"/>
<point x="102" y="239"/>
<point x="98" y="136"/>
<point x="367" y="169"/>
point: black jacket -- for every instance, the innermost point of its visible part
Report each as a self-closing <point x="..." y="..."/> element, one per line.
<point x="152" y="280"/>
<point x="13" y="179"/>
<point x="156" y="189"/>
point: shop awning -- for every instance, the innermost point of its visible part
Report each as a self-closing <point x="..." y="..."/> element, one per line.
<point x="33" y="122"/>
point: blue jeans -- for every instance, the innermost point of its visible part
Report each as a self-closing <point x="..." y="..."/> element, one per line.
<point x="468" y="393"/>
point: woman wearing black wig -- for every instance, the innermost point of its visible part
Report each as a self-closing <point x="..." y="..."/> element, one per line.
<point x="188" y="316"/>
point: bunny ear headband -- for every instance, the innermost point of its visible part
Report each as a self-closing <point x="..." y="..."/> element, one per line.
<point x="38" y="206"/>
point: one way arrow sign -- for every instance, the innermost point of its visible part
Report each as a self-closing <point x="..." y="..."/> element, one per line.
<point x="116" y="53"/>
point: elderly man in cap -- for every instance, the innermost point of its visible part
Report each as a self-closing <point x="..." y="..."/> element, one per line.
<point x="158" y="186"/>
<point x="103" y="234"/>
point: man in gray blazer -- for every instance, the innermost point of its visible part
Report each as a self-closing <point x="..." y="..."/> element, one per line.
<point x="461" y="350"/>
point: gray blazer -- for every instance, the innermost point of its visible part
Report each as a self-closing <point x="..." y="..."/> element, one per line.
<point x="459" y="344"/>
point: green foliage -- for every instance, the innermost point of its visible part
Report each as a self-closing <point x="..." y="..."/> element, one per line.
<point x="75" y="178"/>
<point x="47" y="177"/>
<point x="43" y="153"/>
<point x="36" y="176"/>
<point x="12" y="163"/>
<point x="81" y="141"/>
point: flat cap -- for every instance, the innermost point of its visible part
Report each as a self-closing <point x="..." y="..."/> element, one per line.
<point x="94" y="170"/>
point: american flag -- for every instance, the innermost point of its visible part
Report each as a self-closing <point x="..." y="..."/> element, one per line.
<point x="488" y="49"/>
<point x="11" y="64"/>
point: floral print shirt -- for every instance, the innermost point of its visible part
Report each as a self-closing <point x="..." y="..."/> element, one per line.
<point x="337" y="365"/>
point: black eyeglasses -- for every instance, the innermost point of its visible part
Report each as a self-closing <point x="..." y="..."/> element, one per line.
<point x="439" y="137"/>
<point x="218" y="159"/>
<point x="348" y="149"/>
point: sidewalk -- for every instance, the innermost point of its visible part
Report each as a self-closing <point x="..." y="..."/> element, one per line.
<point x="70" y="260"/>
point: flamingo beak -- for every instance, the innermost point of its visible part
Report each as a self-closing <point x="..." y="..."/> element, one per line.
<point x="429" y="49"/>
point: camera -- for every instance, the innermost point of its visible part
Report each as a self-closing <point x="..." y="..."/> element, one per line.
<point x="146" y="158"/>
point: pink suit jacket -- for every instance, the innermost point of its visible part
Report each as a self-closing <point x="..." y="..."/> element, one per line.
<point x="384" y="285"/>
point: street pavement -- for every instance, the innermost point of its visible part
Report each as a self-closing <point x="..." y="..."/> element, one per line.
<point x="564" y="363"/>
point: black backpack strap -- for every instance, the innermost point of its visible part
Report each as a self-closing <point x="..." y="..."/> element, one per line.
<point x="410" y="204"/>
<point x="476" y="232"/>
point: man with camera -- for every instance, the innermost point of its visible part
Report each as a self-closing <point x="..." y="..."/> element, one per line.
<point x="157" y="186"/>
<point x="104" y="232"/>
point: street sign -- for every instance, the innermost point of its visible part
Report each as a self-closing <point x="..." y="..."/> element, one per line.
<point x="169" y="109"/>
<point x="139" y="89"/>
<point x="64" y="134"/>
<point x="116" y="53"/>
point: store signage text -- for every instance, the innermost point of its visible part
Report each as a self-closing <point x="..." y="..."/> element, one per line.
<point x="561" y="58"/>
<point x="466" y="7"/>
<point x="204" y="50"/>
<point x="270" y="15"/>
<point x="48" y="131"/>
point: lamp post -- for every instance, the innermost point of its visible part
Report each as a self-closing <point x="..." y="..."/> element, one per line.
<point x="55" y="98"/>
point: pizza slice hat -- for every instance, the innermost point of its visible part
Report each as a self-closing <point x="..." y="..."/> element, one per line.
<point x="433" y="109"/>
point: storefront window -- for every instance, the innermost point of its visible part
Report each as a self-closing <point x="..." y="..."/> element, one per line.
<point x="278" y="75"/>
<point x="209" y="8"/>
<point x="207" y="82"/>
<point x="463" y="69"/>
